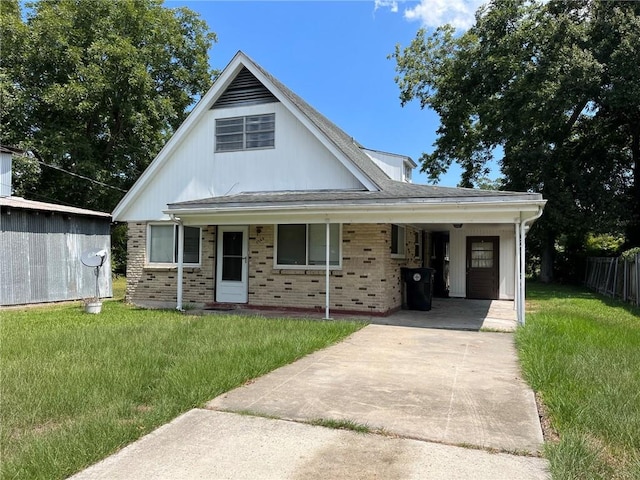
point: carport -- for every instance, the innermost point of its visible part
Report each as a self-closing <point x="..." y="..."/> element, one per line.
<point x="477" y="216"/>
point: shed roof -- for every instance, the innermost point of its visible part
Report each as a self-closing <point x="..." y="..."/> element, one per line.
<point x="21" y="203"/>
<point x="12" y="150"/>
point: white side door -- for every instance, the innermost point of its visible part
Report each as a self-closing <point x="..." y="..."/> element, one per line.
<point x="232" y="265"/>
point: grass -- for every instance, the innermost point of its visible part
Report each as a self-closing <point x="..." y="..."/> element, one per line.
<point x="76" y="387"/>
<point x="581" y="353"/>
<point x="119" y="286"/>
<point x="341" y="424"/>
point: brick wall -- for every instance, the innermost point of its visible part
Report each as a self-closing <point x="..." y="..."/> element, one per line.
<point x="395" y="288"/>
<point x="369" y="280"/>
<point x="158" y="284"/>
<point x="136" y="252"/>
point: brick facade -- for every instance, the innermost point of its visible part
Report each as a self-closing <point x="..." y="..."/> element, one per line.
<point x="369" y="280"/>
<point x="147" y="284"/>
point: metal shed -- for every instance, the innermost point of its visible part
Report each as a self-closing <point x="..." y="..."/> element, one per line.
<point x="40" y="248"/>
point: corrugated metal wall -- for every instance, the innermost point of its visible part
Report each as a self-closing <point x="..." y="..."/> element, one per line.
<point x="40" y="256"/>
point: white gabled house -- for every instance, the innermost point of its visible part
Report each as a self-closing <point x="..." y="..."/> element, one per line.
<point x="259" y="199"/>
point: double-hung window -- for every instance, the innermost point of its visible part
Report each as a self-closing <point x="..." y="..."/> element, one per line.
<point x="302" y="245"/>
<point x="163" y="244"/>
<point x="245" y="133"/>
<point x="397" y="241"/>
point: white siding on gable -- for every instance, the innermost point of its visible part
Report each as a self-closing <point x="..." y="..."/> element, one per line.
<point x="298" y="162"/>
<point x="395" y="166"/>
<point x="391" y="165"/>
<point x="194" y="170"/>
<point x="458" y="258"/>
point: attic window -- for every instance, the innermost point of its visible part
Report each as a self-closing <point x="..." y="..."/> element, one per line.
<point x="245" y="133"/>
<point x="407" y="172"/>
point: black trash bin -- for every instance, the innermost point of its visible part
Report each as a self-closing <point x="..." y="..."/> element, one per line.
<point x="419" y="287"/>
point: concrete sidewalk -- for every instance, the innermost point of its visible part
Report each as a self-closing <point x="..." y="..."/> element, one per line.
<point x="204" y="444"/>
<point x="430" y="391"/>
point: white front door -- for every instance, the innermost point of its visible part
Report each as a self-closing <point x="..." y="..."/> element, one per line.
<point x="232" y="265"/>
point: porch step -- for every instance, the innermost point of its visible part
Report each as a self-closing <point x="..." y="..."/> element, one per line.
<point x="221" y="306"/>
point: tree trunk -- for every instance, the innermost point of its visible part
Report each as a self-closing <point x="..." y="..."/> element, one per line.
<point x="633" y="228"/>
<point x="547" y="257"/>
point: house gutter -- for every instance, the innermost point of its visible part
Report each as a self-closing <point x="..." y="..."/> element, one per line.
<point x="524" y="227"/>
<point x="467" y="212"/>
<point x="352" y="206"/>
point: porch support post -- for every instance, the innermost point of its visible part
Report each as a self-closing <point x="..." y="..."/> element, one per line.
<point x="524" y="226"/>
<point x="516" y="290"/>
<point x="327" y="272"/>
<point x="521" y="289"/>
<point x="180" y="272"/>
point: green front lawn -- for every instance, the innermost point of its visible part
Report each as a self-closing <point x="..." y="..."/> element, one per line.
<point x="581" y="353"/>
<point x="76" y="387"/>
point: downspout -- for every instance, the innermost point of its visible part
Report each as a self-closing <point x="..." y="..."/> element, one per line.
<point x="180" y="272"/>
<point x="327" y="272"/>
<point x="523" y="237"/>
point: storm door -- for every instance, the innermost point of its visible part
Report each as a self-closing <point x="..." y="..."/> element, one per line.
<point x="232" y="265"/>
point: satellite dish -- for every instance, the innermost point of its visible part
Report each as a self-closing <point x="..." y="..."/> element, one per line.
<point x="93" y="258"/>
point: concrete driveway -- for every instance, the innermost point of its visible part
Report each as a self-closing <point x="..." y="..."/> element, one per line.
<point x="428" y="393"/>
<point x="435" y="385"/>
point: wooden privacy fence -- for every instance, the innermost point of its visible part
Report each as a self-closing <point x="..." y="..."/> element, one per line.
<point x="615" y="277"/>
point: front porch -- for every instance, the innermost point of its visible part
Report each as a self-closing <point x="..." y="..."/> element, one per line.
<point x="446" y="313"/>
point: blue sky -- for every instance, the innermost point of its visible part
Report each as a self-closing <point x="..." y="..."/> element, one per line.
<point x="334" y="55"/>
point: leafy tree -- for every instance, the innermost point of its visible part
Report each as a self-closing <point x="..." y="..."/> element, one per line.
<point x="555" y="86"/>
<point x="486" y="183"/>
<point x="95" y="87"/>
<point x="26" y="172"/>
<point x="605" y="245"/>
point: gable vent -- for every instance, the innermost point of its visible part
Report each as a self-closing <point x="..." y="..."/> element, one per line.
<point x="245" y="89"/>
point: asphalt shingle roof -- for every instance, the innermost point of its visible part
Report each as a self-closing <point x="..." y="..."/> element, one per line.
<point x="389" y="190"/>
<point x="395" y="193"/>
<point x="335" y="134"/>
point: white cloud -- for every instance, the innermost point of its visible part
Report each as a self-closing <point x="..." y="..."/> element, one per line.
<point x="434" y="13"/>
<point x="390" y="4"/>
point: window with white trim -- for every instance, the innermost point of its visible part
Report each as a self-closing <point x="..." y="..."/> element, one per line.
<point x="305" y="245"/>
<point x="245" y="133"/>
<point x="407" y="173"/>
<point x="397" y="241"/>
<point x="162" y="244"/>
